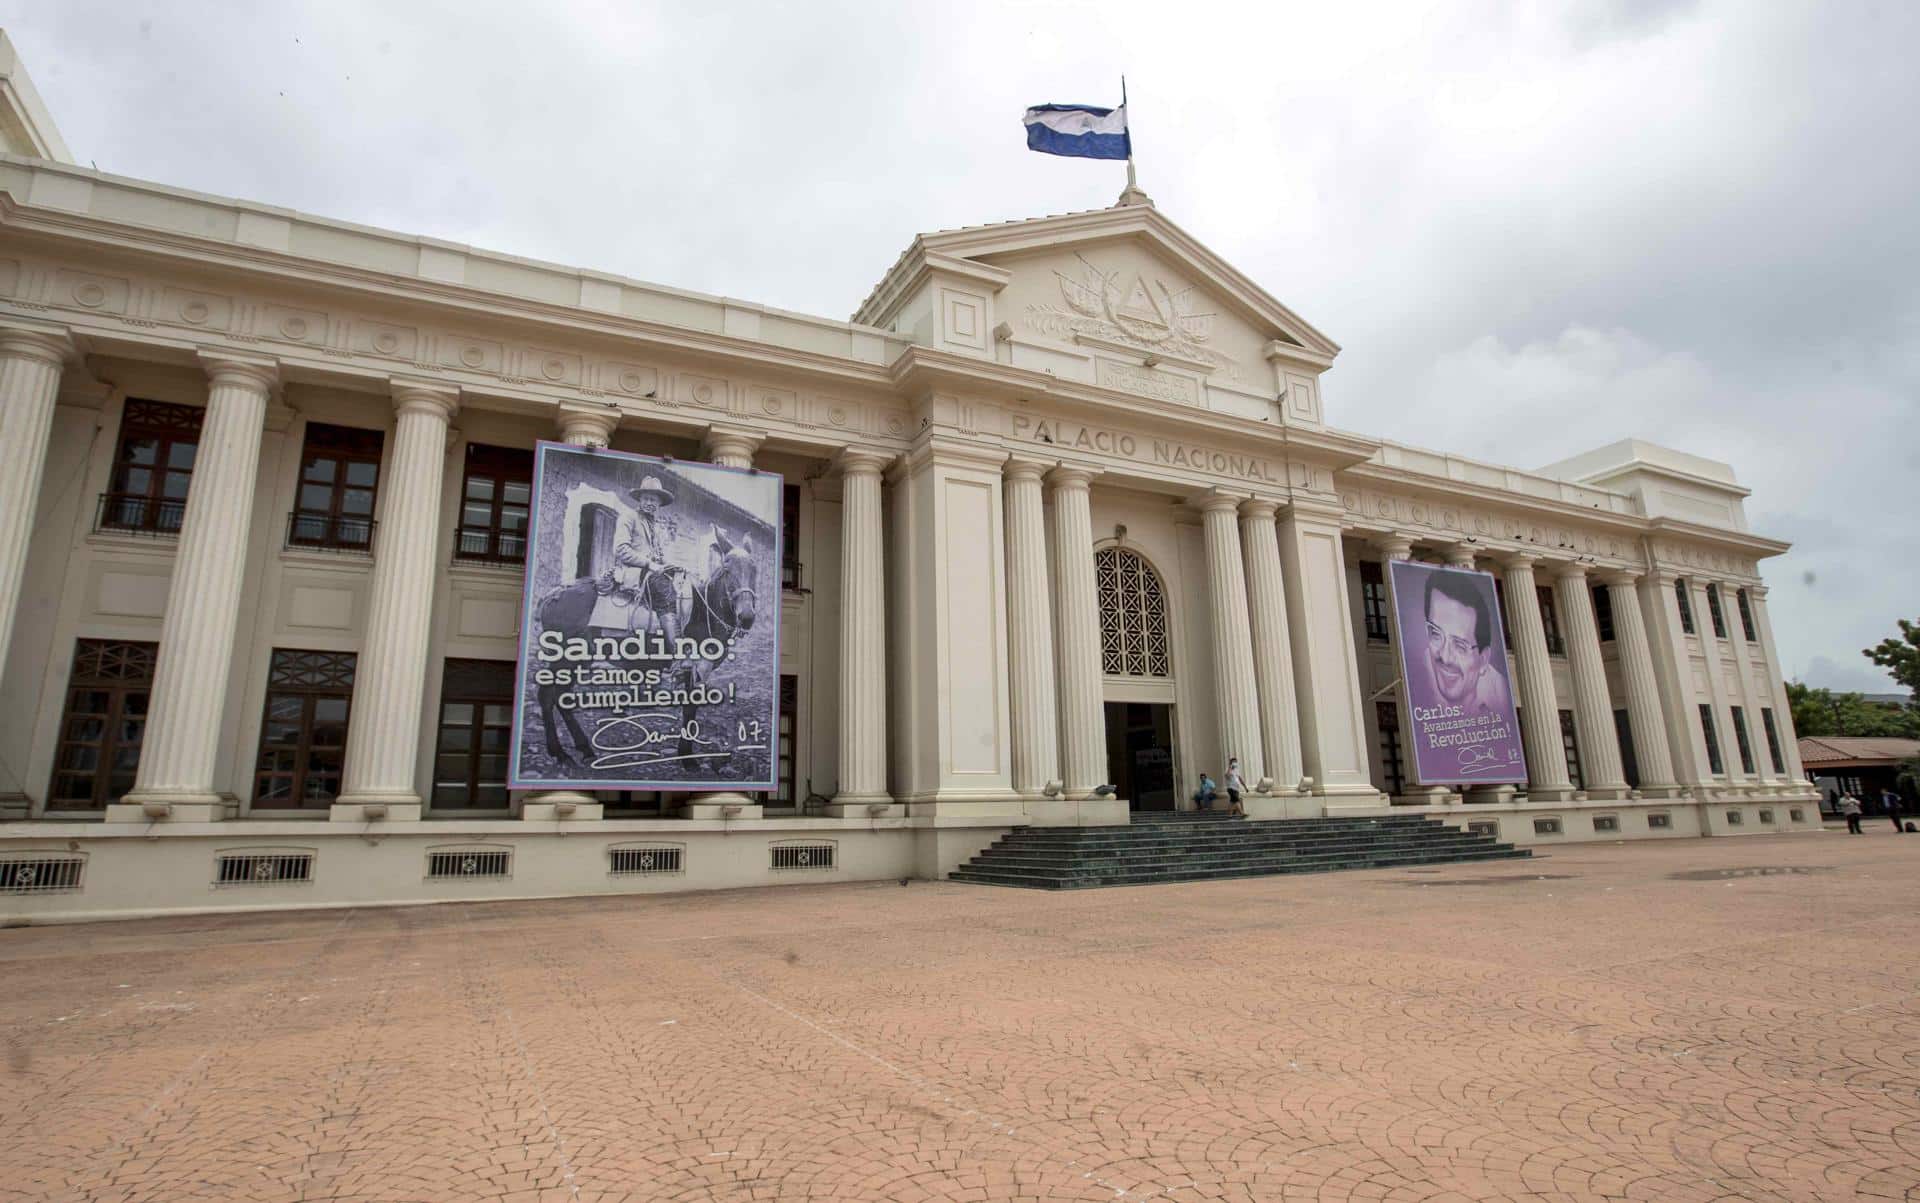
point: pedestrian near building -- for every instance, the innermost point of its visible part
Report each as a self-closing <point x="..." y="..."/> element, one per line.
<point x="1850" y="807"/>
<point x="1207" y="792"/>
<point x="1235" y="784"/>
<point x="1890" y="802"/>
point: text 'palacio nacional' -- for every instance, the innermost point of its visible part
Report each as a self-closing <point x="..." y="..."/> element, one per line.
<point x="1066" y="521"/>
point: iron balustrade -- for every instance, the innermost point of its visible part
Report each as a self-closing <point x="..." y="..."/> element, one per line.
<point x="330" y="532"/>
<point x="473" y="546"/>
<point x="139" y="514"/>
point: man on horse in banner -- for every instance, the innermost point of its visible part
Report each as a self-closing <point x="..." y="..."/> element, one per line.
<point x="646" y="545"/>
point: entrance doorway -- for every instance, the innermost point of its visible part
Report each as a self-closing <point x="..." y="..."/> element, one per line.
<point x="1140" y="758"/>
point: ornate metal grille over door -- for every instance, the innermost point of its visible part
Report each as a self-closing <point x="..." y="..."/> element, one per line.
<point x="1133" y="615"/>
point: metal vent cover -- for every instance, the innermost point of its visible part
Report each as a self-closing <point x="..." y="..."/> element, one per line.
<point x="262" y="866"/>
<point x="1606" y="822"/>
<point x="1546" y="827"/>
<point x="1486" y="827"/>
<point x="636" y="861"/>
<point x="42" y="872"/>
<point x="444" y="864"/>
<point x="815" y="856"/>
<point x="1735" y="818"/>
<point x="1656" y="821"/>
<point x="1766" y="815"/>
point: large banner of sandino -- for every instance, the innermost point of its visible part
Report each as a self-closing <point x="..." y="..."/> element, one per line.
<point x="650" y="629"/>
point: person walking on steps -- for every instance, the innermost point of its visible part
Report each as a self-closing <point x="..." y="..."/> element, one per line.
<point x="1850" y="807"/>
<point x="1235" y="785"/>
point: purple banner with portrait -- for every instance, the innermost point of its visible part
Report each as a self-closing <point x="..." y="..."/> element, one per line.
<point x="1453" y="674"/>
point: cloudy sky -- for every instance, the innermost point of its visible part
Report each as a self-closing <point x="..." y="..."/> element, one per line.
<point x="1693" y="223"/>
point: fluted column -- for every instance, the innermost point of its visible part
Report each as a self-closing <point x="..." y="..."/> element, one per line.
<point x="1776" y="686"/>
<point x="1393" y="547"/>
<point x="1235" y="693"/>
<point x="1592" y="708"/>
<point x="1460" y="555"/>
<point x="1083" y="722"/>
<point x="863" y="636"/>
<point x="578" y="426"/>
<point x="178" y="750"/>
<point x="383" y="731"/>
<point x="1546" y="759"/>
<point x="1650" y="752"/>
<point x="1036" y="731"/>
<point x="1272" y="647"/>
<point x="30" y="362"/>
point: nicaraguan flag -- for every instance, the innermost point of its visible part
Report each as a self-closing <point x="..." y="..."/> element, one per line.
<point x="1083" y="130"/>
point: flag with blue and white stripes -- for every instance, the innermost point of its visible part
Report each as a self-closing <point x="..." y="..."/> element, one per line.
<point x="1083" y="130"/>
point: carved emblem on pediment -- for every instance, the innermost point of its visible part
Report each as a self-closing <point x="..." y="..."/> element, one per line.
<point x="1145" y="314"/>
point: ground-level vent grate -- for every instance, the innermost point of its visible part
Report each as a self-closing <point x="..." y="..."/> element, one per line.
<point x="444" y="863"/>
<point x="1606" y="823"/>
<point x="41" y="872"/>
<point x="1766" y="815"/>
<point x="1657" y="821"/>
<point x="1735" y="818"/>
<point x="1797" y="815"/>
<point x="1546" y="827"/>
<point x="802" y="856"/>
<point x="631" y="862"/>
<point x="254" y="867"/>
<point x="1487" y="827"/>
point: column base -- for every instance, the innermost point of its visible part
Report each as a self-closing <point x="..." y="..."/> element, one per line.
<point x="1549" y="793"/>
<point x="865" y="806"/>
<point x="1608" y="793"/>
<point x="728" y="805"/>
<point x="548" y="810"/>
<point x="177" y="808"/>
<point x="1077" y="812"/>
<point x="375" y="808"/>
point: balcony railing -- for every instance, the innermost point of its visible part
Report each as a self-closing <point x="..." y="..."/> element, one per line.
<point x="138" y="514"/>
<point x="489" y="547"/>
<point x="330" y="532"/>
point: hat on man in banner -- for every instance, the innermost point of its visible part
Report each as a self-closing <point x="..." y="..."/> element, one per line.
<point x="652" y="485"/>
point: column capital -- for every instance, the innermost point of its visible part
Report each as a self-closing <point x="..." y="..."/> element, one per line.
<point x="740" y="441"/>
<point x="861" y="461"/>
<point x="1756" y="592"/>
<point x="586" y="426"/>
<point x="1460" y="555"/>
<point x="1216" y="500"/>
<point x="1260" y="508"/>
<point x="1394" y="547"/>
<point x="1516" y="559"/>
<point x="223" y="367"/>
<point x="1071" y="476"/>
<point x="48" y="344"/>
<point x="1574" y="572"/>
<point x="1025" y="467"/>
<point x="1627" y="577"/>
<point x="424" y="396"/>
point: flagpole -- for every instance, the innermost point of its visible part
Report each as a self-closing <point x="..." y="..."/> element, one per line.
<point x="1131" y="185"/>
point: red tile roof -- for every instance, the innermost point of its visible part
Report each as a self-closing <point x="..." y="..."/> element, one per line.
<point x="1835" y="750"/>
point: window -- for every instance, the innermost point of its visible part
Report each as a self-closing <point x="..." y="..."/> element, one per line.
<point x="1133" y="615"/>
<point x="1373" y="600"/>
<point x="1570" y="742"/>
<point x="1388" y="716"/>
<point x="1500" y="600"/>
<point x="476" y="728"/>
<point x="1714" y="612"/>
<point x="783" y="793"/>
<point x="303" y="733"/>
<point x="495" y="499"/>
<point x="152" y="468"/>
<point x="339" y="473"/>
<point x="1773" y="739"/>
<point x="790" y="537"/>
<point x="105" y="719"/>
<point x="1629" y="763"/>
<point x="1712" y="735"/>
<point x="1745" y="604"/>
<point x="1741" y="738"/>
<point x="1603" y="612"/>
<point x="1682" y="593"/>
<point x="1550" y="620"/>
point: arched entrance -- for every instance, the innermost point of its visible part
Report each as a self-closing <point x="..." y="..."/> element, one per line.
<point x="1136" y="657"/>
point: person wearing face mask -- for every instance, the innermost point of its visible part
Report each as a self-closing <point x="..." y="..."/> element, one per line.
<point x="1235" y="784"/>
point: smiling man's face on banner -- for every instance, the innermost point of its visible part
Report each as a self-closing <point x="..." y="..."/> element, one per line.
<point x="1456" y="653"/>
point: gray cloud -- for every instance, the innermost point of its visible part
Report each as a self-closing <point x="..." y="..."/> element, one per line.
<point x="1533" y="230"/>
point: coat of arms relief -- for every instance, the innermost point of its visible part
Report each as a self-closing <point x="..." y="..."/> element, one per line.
<point x="1147" y="315"/>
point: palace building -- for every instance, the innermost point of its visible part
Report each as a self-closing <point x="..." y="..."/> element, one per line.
<point x="1067" y="521"/>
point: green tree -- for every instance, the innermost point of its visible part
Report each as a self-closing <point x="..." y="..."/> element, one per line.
<point x="1824" y="712"/>
<point x="1900" y="657"/>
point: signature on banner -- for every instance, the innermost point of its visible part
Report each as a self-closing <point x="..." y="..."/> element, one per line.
<point x="658" y="737"/>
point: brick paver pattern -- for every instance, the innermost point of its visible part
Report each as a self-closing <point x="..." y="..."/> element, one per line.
<point x="1690" y="1020"/>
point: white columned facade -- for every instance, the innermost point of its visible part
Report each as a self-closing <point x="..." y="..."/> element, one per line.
<point x="578" y="426"/>
<point x="1592" y="708"/>
<point x="1083" y="723"/>
<point x="863" y="637"/>
<point x="30" y="363"/>
<point x="1236" y="695"/>
<point x="1540" y="717"/>
<point x="1035" y="716"/>
<point x="1660" y="602"/>
<point x="1796" y="774"/>
<point x="1755" y="695"/>
<point x="390" y="675"/>
<point x="1710" y="642"/>
<point x="182" y="737"/>
<point x="1651" y="755"/>
<point x="1326" y="670"/>
<point x="1272" y="649"/>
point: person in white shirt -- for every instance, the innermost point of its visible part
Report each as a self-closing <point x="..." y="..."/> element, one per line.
<point x="1236" y="785"/>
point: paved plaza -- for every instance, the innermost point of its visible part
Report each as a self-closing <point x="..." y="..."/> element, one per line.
<point x="1690" y="1020"/>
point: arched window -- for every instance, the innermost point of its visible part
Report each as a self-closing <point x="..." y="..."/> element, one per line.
<point x="1133" y="615"/>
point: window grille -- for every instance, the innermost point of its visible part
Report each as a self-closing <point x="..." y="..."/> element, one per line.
<point x="1606" y="823"/>
<point x="1746" y="614"/>
<point x="1766" y="816"/>
<point x="1546" y="827"/>
<point x="103" y="724"/>
<point x="1373" y="601"/>
<point x="1657" y="821"/>
<point x="637" y="862"/>
<point x="448" y="863"/>
<point x="262" y="867"/>
<point x="1133" y="615"/>
<point x="1683" y="594"/>
<point x="801" y="856"/>
<point x="1714" y="612"/>
<point x="41" y="872"/>
<point x="1712" y="734"/>
<point x="1773" y="739"/>
<point x="1487" y="827"/>
<point x="1740" y="737"/>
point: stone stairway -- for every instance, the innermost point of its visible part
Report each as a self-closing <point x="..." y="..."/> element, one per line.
<point x="1194" y="846"/>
